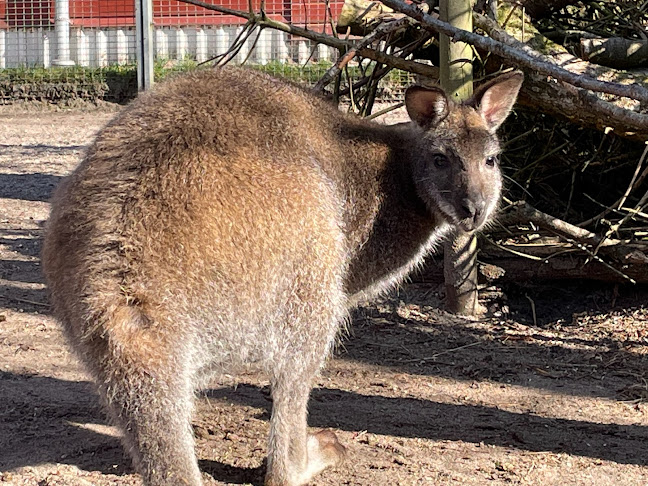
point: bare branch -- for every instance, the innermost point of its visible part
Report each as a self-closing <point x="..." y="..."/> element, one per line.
<point x="340" y="44"/>
<point x="526" y="57"/>
<point x="382" y="30"/>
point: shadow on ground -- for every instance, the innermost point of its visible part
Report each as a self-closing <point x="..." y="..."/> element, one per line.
<point x="415" y="418"/>
<point x="40" y="411"/>
<point x="22" y="266"/>
<point x="28" y="187"/>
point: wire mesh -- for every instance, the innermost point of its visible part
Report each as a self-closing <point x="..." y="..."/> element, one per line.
<point x="40" y="37"/>
<point x="101" y="33"/>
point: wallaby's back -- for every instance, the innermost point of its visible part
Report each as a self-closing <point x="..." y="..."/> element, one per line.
<point x="213" y="199"/>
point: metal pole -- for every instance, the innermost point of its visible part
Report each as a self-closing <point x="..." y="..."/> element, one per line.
<point x="144" y="27"/>
<point x="62" y="27"/>
<point x="3" y="53"/>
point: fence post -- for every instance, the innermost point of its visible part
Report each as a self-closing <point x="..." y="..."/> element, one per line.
<point x="62" y="27"/>
<point x="144" y="28"/>
<point x="460" y="251"/>
<point x="3" y="52"/>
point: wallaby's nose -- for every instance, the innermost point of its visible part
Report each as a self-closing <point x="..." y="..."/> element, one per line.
<point x="473" y="209"/>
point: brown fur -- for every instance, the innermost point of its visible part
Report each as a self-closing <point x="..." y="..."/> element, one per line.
<point x="229" y="220"/>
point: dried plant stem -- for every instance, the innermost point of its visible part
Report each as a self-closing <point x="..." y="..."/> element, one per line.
<point x="634" y="178"/>
<point x="635" y="182"/>
<point x="386" y="110"/>
<point x="383" y="30"/>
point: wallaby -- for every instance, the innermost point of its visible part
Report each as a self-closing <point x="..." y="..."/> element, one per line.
<point x="228" y="221"/>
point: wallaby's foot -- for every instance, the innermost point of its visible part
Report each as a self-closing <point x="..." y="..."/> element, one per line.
<point x="324" y="450"/>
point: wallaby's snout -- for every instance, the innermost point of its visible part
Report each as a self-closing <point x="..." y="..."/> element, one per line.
<point x="474" y="210"/>
<point x="478" y="194"/>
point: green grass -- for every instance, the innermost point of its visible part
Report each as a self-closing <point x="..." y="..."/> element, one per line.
<point x="63" y="85"/>
<point x="119" y="83"/>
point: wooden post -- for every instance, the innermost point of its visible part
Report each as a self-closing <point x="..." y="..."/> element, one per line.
<point x="456" y="57"/>
<point x="460" y="251"/>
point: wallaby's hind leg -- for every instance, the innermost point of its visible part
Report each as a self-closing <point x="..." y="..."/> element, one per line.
<point x="143" y="379"/>
<point x="154" y="415"/>
<point x="294" y="455"/>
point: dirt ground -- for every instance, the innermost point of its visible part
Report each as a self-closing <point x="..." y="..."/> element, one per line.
<point x="417" y="396"/>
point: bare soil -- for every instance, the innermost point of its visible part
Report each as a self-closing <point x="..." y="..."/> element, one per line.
<point x="418" y="396"/>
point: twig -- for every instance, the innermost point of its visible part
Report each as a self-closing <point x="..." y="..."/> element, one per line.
<point x="447" y="351"/>
<point x="410" y="66"/>
<point x="634" y="178"/>
<point x="602" y="214"/>
<point x="603" y="139"/>
<point x="545" y="155"/>
<point x="366" y="11"/>
<point x="235" y="46"/>
<point x="635" y="212"/>
<point x="329" y="13"/>
<point x="27" y="301"/>
<point x="515" y="252"/>
<point x="351" y="94"/>
<point x="254" y="44"/>
<point x="533" y="310"/>
<point x="386" y="110"/>
<point x="400" y="63"/>
<point x="380" y="31"/>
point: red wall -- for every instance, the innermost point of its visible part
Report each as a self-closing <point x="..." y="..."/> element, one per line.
<point x="3" y="14"/>
<point x="26" y="13"/>
<point x="106" y="13"/>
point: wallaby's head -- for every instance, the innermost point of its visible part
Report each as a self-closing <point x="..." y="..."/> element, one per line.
<point x="455" y="162"/>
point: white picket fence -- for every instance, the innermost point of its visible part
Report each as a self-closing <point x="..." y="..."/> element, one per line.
<point x="100" y="47"/>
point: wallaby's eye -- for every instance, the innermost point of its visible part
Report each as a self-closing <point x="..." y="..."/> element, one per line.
<point x="440" y="161"/>
<point x="491" y="161"/>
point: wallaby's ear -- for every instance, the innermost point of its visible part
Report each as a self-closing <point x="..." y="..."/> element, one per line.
<point x="495" y="99"/>
<point x="426" y="106"/>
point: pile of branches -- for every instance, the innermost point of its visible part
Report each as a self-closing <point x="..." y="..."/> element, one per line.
<point x="589" y="178"/>
<point x="579" y="153"/>
<point x="608" y="33"/>
<point x="593" y="186"/>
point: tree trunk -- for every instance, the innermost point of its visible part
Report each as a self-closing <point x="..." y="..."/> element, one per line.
<point x="615" y="52"/>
